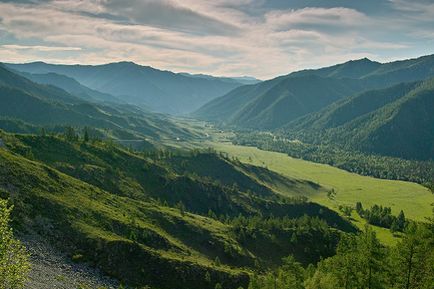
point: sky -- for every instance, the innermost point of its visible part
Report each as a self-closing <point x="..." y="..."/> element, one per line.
<point x="260" y="38"/>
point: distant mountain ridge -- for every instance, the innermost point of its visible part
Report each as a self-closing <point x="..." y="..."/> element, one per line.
<point x="161" y="91"/>
<point x="46" y="105"/>
<point x="71" y="86"/>
<point x="241" y="79"/>
<point x="275" y="103"/>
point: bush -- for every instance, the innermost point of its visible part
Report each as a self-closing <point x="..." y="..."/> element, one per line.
<point x="14" y="263"/>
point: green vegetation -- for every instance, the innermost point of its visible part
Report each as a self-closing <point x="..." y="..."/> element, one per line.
<point x="382" y="217"/>
<point x="395" y="121"/>
<point x="122" y="210"/>
<point x="349" y="188"/>
<point x="364" y="164"/>
<point x="14" y="264"/>
<point x="140" y="195"/>
<point x="362" y="262"/>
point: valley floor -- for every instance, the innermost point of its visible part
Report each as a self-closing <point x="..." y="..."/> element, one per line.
<point x="414" y="199"/>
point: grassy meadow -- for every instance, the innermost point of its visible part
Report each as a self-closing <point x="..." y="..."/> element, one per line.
<point x="415" y="200"/>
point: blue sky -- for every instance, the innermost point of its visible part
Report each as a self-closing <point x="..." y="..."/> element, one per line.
<point x="261" y="38"/>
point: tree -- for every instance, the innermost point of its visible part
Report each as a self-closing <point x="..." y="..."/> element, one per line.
<point x="14" y="263"/>
<point x="70" y="134"/>
<point x="86" y="135"/>
<point x="359" y="263"/>
<point x="413" y="258"/>
<point x="181" y="207"/>
<point x="400" y="221"/>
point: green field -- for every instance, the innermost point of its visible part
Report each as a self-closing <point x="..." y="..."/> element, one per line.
<point x="415" y="200"/>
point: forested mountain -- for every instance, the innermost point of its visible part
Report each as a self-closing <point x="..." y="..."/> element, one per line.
<point x="46" y="105"/>
<point x="161" y="91"/>
<point x="396" y="121"/>
<point x="273" y="104"/>
<point x="123" y="211"/>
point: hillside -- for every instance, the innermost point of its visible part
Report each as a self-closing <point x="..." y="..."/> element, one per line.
<point x="275" y="103"/>
<point x="161" y="91"/>
<point x="395" y="121"/>
<point x="112" y="208"/>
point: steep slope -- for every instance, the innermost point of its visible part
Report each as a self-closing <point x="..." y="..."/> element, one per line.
<point x="273" y="104"/>
<point x="348" y="109"/>
<point x="162" y="91"/>
<point x="396" y="121"/>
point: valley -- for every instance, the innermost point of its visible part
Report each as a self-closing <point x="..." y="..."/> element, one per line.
<point x="291" y="177"/>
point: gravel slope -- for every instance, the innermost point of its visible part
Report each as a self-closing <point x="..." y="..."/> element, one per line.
<point x="52" y="269"/>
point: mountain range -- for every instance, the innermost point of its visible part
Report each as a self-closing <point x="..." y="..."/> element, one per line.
<point x="364" y="105"/>
<point x="144" y="86"/>
<point x="274" y="103"/>
<point x="48" y="106"/>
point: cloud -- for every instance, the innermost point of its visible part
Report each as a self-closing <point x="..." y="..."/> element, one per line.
<point x="221" y="37"/>
<point x="40" y="48"/>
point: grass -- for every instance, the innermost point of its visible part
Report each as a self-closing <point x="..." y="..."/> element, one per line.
<point x="415" y="200"/>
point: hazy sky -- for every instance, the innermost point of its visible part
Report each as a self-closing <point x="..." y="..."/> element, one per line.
<point x="262" y="38"/>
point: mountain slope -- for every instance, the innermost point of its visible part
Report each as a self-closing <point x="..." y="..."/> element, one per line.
<point x="115" y="209"/>
<point x="162" y="91"/>
<point x="46" y="105"/>
<point x="396" y="121"/>
<point x="275" y="103"/>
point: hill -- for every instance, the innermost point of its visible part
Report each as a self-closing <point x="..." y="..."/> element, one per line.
<point x="275" y="103"/>
<point x="122" y="211"/>
<point x="161" y="91"/>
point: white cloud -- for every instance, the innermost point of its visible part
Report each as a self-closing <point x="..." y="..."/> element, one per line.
<point x="210" y="36"/>
<point x="40" y="48"/>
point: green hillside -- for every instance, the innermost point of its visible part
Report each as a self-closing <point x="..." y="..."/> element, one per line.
<point x="105" y="205"/>
<point x="395" y="121"/>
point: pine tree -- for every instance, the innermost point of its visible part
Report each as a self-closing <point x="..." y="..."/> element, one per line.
<point x="86" y="135"/>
